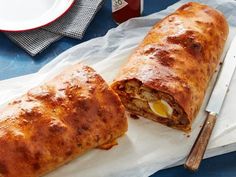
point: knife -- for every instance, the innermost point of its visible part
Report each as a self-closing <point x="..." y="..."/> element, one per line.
<point x="213" y="109"/>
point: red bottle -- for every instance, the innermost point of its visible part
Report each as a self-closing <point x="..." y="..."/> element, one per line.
<point x="123" y="10"/>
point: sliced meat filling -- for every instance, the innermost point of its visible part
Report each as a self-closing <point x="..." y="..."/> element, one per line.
<point x="152" y="104"/>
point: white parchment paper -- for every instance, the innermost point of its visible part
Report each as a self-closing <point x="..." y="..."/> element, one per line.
<point x="147" y="147"/>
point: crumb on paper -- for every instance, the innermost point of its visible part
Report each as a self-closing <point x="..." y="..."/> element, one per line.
<point x="108" y="145"/>
<point x="187" y="135"/>
<point x="133" y="116"/>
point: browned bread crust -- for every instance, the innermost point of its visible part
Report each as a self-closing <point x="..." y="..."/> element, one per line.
<point x="58" y="121"/>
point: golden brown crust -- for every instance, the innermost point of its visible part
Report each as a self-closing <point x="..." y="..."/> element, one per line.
<point x="179" y="55"/>
<point x="56" y="122"/>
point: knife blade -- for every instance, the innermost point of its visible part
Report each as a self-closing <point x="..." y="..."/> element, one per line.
<point x="222" y="85"/>
<point x="213" y="108"/>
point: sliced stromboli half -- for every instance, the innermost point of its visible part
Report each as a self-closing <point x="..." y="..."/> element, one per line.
<point x="56" y="122"/>
<point x="166" y="78"/>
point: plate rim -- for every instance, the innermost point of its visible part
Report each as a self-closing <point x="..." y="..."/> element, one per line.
<point x="72" y="2"/>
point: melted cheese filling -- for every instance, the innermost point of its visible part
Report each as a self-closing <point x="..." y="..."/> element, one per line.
<point x="161" y="108"/>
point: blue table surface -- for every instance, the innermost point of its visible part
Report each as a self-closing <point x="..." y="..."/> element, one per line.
<point x="15" y="62"/>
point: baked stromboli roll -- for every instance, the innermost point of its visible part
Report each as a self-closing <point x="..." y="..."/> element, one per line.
<point x="56" y="122"/>
<point x="166" y="78"/>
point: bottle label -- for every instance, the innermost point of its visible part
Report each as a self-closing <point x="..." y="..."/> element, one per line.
<point x="118" y="4"/>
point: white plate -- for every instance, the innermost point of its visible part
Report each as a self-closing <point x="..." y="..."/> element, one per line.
<point x="21" y="15"/>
